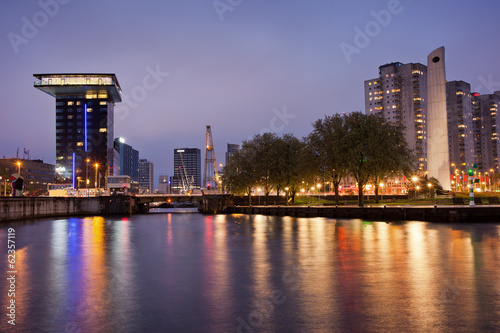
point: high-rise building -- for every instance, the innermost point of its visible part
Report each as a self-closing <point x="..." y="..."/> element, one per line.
<point x="146" y="176"/>
<point x="460" y="125"/>
<point x="129" y="159"/>
<point x="231" y="150"/>
<point x="163" y="184"/>
<point x="187" y="169"/>
<point x="399" y="95"/>
<point x="486" y="125"/>
<point x="84" y="121"/>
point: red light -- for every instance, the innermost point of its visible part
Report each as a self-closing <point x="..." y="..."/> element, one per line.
<point x="124" y="185"/>
<point x="477" y="94"/>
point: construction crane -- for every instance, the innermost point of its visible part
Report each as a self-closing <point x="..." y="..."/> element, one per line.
<point x="210" y="173"/>
<point x="187" y="183"/>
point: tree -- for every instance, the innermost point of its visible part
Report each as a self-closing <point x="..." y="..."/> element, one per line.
<point x="391" y="154"/>
<point x="374" y="148"/>
<point x="327" y="143"/>
<point x="239" y="174"/>
<point x="291" y="167"/>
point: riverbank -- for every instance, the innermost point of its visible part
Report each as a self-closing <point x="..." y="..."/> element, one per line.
<point x="436" y="213"/>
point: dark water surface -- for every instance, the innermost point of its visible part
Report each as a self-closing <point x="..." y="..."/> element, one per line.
<point x="186" y="272"/>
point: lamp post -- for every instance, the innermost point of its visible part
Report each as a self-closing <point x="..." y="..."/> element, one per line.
<point x="258" y="192"/>
<point x="415" y="178"/>
<point x="416" y="189"/>
<point x="429" y="185"/>
<point x="318" y="187"/>
<point x="381" y="185"/>
<point x="286" y="196"/>
<point x="96" y="168"/>
<point x="86" y="176"/>
<point x="19" y="168"/>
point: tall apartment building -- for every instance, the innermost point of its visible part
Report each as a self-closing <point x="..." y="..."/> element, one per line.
<point x="399" y="95"/>
<point x="129" y="159"/>
<point x="460" y="114"/>
<point x="146" y="176"/>
<point x="187" y="163"/>
<point x="84" y="121"/>
<point x="486" y="123"/>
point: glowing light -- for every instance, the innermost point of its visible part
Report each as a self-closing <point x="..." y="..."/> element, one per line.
<point x="85" y="124"/>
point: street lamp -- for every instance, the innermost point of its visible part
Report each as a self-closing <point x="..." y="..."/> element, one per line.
<point x="19" y="168"/>
<point x="86" y="176"/>
<point x="415" y="178"/>
<point x="258" y="191"/>
<point x="429" y="185"/>
<point x="381" y="185"/>
<point x="286" y="197"/>
<point x="96" y="168"/>
<point x="318" y="187"/>
<point x="416" y="189"/>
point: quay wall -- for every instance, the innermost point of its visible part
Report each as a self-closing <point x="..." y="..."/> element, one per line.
<point x="37" y="207"/>
<point x="445" y="214"/>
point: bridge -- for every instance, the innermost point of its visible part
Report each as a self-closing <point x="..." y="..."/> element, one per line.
<point x="150" y="198"/>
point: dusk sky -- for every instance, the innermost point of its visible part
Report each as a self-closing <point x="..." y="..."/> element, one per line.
<point x="241" y="66"/>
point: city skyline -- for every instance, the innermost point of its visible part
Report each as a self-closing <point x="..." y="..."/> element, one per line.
<point x="258" y="66"/>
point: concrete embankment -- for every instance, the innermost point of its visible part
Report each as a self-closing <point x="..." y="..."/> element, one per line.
<point x="445" y="214"/>
<point x="37" y="207"/>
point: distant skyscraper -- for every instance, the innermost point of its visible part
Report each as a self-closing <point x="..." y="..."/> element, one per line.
<point x="460" y="125"/>
<point x="146" y="176"/>
<point x="129" y="159"/>
<point x="84" y="121"/>
<point x="163" y="184"/>
<point x="438" y="163"/>
<point x="231" y="149"/>
<point x="399" y="94"/>
<point x="187" y="168"/>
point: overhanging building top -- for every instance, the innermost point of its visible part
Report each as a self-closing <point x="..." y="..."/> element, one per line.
<point x="79" y="84"/>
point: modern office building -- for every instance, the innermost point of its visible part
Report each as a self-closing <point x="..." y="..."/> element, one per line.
<point x="231" y="150"/>
<point x="187" y="170"/>
<point x="37" y="174"/>
<point x="146" y="177"/>
<point x="84" y="121"/>
<point x="460" y="125"/>
<point x="399" y="95"/>
<point x="129" y="159"/>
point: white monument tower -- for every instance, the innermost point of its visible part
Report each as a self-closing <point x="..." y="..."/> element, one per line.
<point x="438" y="163"/>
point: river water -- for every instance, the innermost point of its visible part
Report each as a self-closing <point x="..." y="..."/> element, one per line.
<point x="180" y="271"/>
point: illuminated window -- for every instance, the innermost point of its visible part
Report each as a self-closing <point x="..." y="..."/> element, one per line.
<point x="102" y="96"/>
<point x="103" y="103"/>
<point x="79" y="144"/>
<point x="71" y="103"/>
<point x="103" y="130"/>
<point x="89" y="109"/>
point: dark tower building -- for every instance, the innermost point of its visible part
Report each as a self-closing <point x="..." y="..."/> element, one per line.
<point x="187" y="169"/>
<point x="84" y="122"/>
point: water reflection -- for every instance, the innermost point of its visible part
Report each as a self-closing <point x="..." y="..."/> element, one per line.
<point x="195" y="273"/>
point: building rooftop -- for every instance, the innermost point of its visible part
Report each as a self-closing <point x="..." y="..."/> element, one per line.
<point x="79" y="84"/>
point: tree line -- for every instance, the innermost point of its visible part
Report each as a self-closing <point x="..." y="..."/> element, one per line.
<point x="365" y="147"/>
